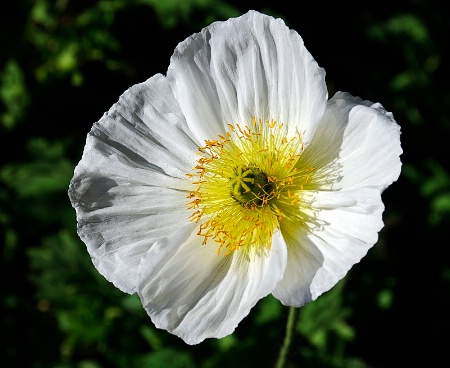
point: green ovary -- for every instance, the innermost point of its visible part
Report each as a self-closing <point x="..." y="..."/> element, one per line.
<point x="250" y="186"/>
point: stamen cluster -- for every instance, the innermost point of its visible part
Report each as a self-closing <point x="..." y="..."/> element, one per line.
<point x="248" y="181"/>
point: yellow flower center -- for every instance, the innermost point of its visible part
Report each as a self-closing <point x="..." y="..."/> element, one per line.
<point x="249" y="182"/>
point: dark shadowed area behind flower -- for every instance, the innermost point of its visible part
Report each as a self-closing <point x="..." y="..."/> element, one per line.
<point x="66" y="62"/>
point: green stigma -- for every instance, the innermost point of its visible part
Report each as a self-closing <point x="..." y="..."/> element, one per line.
<point x="250" y="186"/>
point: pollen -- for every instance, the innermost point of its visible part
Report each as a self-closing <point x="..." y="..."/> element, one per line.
<point x="249" y="182"/>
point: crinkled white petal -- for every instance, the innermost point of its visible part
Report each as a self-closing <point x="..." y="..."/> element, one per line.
<point x="371" y="156"/>
<point x="191" y="291"/>
<point x="129" y="188"/>
<point x="147" y="130"/>
<point x="251" y="66"/>
<point x="304" y="259"/>
<point x="348" y="226"/>
<point x="357" y="145"/>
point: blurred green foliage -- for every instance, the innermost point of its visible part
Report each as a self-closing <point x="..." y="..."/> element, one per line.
<point x="13" y="94"/>
<point x="64" y="62"/>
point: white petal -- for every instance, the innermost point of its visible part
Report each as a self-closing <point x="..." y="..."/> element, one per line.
<point x="119" y="222"/>
<point x="357" y="142"/>
<point x="303" y="261"/>
<point x="194" y="293"/>
<point x="146" y="130"/>
<point x="355" y="152"/>
<point x="348" y="226"/>
<point x="129" y="188"/>
<point x="373" y="130"/>
<point x="248" y="66"/>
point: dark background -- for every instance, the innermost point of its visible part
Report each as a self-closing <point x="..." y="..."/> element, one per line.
<point x="64" y="63"/>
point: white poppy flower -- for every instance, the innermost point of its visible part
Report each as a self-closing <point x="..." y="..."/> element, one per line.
<point x="233" y="177"/>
